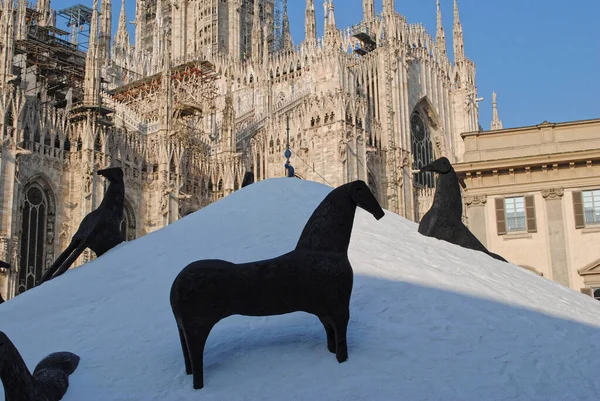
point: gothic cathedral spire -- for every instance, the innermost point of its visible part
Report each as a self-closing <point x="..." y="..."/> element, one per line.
<point x="121" y="43"/>
<point x="388" y="7"/>
<point x="287" y="43"/>
<point x="140" y="26"/>
<point x="440" y="37"/>
<point x="457" y="32"/>
<point x="310" y="29"/>
<point x="158" y="45"/>
<point x="105" y="30"/>
<point x="7" y="30"/>
<point x="368" y="10"/>
<point x="256" y="32"/>
<point x="91" y="91"/>
<point x="496" y="123"/>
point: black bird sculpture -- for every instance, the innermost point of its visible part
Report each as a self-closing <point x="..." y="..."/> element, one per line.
<point x="100" y="230"/>
<point x="50" y="379"/>
<point x="3" y="265"/>
<point x="444" y="220"/>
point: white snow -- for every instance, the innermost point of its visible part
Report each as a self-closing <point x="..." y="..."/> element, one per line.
<point x="429" y="320"/>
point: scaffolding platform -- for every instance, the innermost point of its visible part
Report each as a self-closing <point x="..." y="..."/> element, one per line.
<point x="366" y="37"/>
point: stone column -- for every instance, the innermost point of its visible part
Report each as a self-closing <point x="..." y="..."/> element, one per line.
<point x="476" y="216"/>
<point x="556" y="235"/>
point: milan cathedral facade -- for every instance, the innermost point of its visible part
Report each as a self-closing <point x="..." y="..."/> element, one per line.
<point x="205" y="92"/>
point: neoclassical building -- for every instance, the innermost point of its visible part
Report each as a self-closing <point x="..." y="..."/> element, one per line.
<point x="203" y="93"/>
<point x="533" y="196"/>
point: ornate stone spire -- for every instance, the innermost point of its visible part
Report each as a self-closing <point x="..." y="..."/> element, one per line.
<point x="457" y="32"/>
<point x="121" y="44"/>
<point x="166" y="87"/>
<point x="43" y="7"/>
<point x="310" y="30"/>
<point x="91" y="90"/>
<point x="21" y="28"/>
<point x="332" y="34"/>
<point x="256" y="32"/>
<point x="105" y="31"/>
<point x="368" y="10"/>
<point x="332" y="15"/>
<point x="7" y="28"/>
<point x="287" y="43"/>
<point x="388" y="7"/>
<point x="496" y="123"/>
<point x="440" y="37"/>
<point x="158" y="45"/>
<point x="140" y="25"/>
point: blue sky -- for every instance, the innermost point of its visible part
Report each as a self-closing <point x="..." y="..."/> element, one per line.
<point x="542" y="57"/>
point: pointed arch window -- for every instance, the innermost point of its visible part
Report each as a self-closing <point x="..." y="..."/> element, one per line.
<point x="35" y="225"/>
<point x="422" y="150"/>
<point x="128" y="224"/>
<point x="98" y="144"/>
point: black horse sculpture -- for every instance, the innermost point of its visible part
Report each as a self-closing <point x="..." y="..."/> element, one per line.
<point x="248" y="179"/>
<point x="444" y="219"/>
<point x="316" y="278"/>
<point x="100" y="230"/>
<point x="50" y="379"/>
<point x="3" y="265"/>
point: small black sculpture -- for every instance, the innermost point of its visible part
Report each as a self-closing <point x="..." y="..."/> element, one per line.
<point x="248" y="179"/>
<point x="50" y="379"/>
<point x="444" y="219"/>
<point x="3" y="265"/>
<point x="100" y="230"/>
<point x="316" y="278"/>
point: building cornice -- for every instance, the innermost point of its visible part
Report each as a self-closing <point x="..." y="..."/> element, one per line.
<point x="528" y="161"/>
<point x="544" y="124"/>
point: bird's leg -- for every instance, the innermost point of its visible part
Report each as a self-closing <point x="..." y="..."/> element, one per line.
<point x="59" y="261"/>
<point x="65" y="266"/>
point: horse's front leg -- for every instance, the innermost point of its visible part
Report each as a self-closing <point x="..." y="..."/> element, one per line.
<point x="326" y="322"/>
<point x="340" y="327"/>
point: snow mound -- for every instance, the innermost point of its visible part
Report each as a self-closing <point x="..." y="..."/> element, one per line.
<point x="429" y="320"/>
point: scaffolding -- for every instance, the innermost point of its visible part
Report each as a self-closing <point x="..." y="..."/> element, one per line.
<point x="77" y="18"/>
<point x="48" y="54"/>
<point x="367" y="39"/>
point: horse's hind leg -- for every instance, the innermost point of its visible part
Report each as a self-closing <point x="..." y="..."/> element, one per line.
<point x="326" y="322"/>
<point x="340" y="327"/>
<point x="196" y="333"/>
<point x="186" y="351"/>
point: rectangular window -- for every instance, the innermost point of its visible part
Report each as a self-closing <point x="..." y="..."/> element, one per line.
<point x="515" y="214"/>
<point x="591" y="206"/>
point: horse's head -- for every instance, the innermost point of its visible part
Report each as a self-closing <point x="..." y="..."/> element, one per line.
<point x="112" y="174"/>
<point x="360" y="193"/>
<point x="4" y="265"/>
<point x="441" y="165"/>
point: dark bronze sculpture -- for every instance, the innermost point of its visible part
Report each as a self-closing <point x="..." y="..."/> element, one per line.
<point x="100" y="230"/>
<point x="444" y="220"/>
<point x="316" y="278"/>
<point x="3" y="265"/>
<point x="50" y="379"/>
<point x="248" y="179"/>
